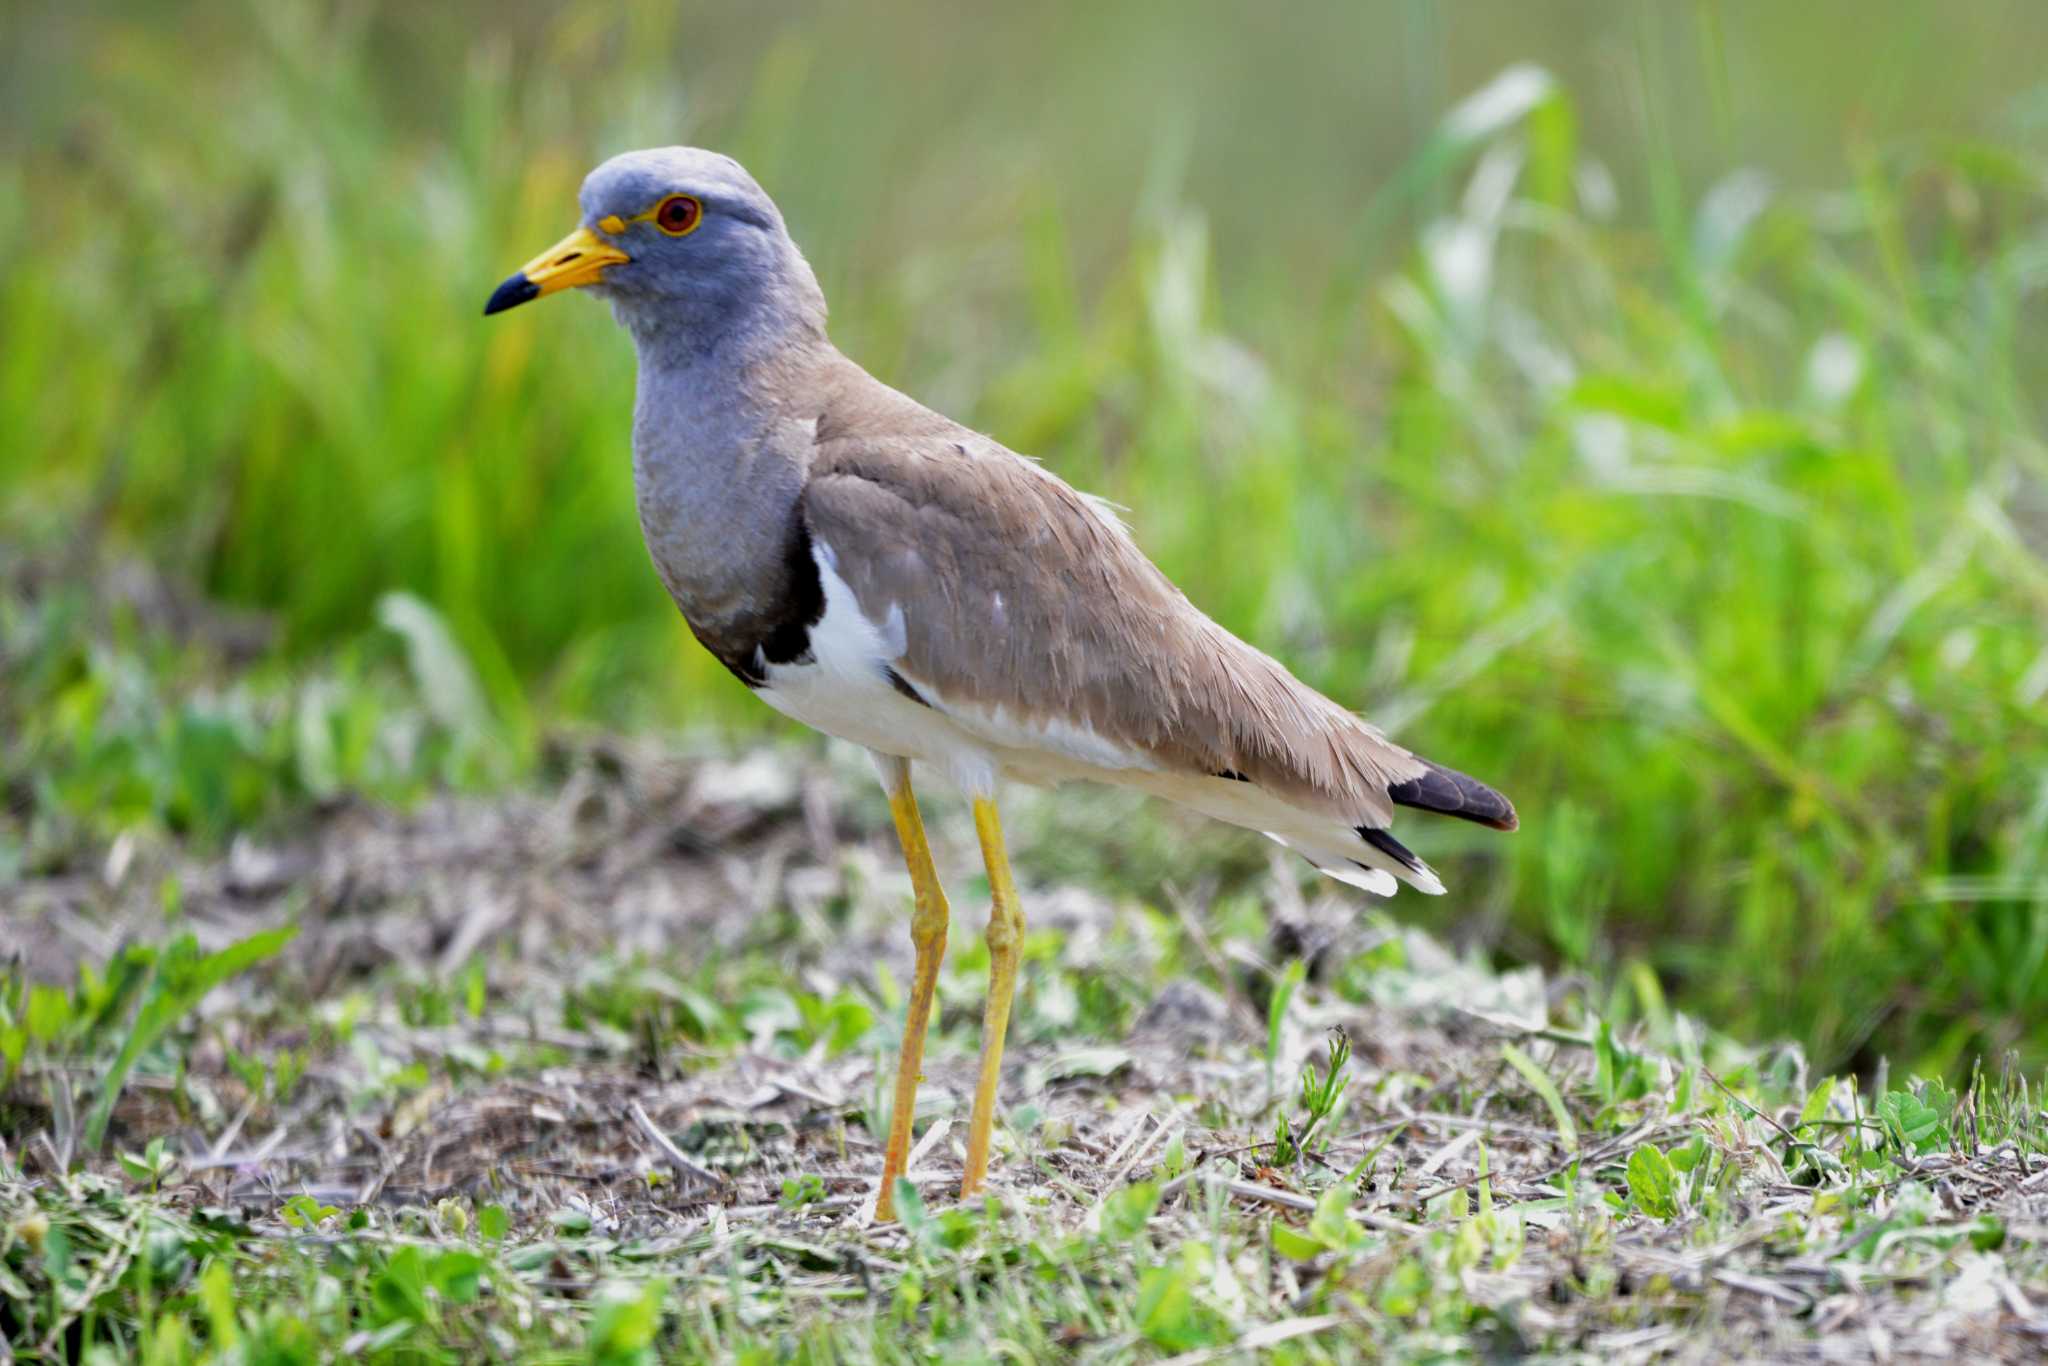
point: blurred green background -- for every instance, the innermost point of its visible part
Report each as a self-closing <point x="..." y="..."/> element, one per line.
<point x="1635" y="405"/>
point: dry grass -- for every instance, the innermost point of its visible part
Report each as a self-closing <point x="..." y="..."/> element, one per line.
<point x="558" y="1010"/>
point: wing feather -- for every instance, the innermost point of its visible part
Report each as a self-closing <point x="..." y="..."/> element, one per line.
<point x="1015" y="591"/>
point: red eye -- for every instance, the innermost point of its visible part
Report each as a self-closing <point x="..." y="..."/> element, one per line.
<point x="677" y="214"/>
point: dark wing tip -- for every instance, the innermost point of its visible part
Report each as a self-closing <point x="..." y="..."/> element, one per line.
<point x="1391" y="847"/>
<point x="1451" y="793"/>
<point x="905" y="686"/>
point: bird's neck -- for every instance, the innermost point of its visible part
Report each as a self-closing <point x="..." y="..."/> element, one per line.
<point x="719" y="462"/>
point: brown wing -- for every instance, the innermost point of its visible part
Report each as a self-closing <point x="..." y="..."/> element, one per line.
<point x="1018" y="592"/>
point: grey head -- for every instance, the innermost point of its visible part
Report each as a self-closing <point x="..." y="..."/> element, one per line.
<point x="690" y="251"/>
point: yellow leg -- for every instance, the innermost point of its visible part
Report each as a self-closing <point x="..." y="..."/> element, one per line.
<point x="1005" y="942"/>
<point x="928" y="933"/>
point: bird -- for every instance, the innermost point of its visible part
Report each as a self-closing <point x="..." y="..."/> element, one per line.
<point x="888" y="576"/>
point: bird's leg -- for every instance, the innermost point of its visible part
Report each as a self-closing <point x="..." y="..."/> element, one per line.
<point x="1005" y="943"/>
<point x="928" y="933"/>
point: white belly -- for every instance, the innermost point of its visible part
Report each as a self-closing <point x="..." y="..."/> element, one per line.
<point x="843" y="688"/>
<point x="869" y="712"/>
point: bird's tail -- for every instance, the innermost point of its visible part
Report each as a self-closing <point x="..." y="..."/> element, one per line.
<point x="1377" y="858"/>
<point x="1451" y="793"/>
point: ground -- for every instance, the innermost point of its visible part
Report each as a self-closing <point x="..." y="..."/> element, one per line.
<point x="598" y="1070"/>
<point x="1656" y="439"/>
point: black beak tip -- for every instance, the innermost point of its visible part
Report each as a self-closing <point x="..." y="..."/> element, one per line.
<point x="515" y="291"/>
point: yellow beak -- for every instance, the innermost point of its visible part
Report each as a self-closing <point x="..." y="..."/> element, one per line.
<point x="577" y="260"/>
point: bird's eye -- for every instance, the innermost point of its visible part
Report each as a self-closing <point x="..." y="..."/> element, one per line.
<point x="677" y="215"/>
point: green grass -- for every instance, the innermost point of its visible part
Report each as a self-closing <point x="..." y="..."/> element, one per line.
<point x="1612" y="1185"/>
<point x="1705" y="513"/>
<point x="1710" y="528"/>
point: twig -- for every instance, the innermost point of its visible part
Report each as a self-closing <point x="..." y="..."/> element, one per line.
<point x="676" y="1159"/>
<point x="255" y="1156"/>
<point x="1771" y="1290"/>
<point x="1260" y="1338"/>
<point x="1450" y="1150"/>
<point x="1142" y="1151"/>
<point x="804" y="1093"/>
<point x="1516" y="1029"/>
<point x="873" y="1201"/>
<point x="829" y="1203"/>
<point x="1587" y="1157"/>
<point x="1708" y="1072"/>
<point x="1272" y="1195"/>
<point x="924" y="1145"/>
<point x="116" y="1258"/>
<point x="1490" y="1127"/>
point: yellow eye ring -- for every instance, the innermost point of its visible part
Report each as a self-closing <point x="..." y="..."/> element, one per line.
<point x="678" y="215"/>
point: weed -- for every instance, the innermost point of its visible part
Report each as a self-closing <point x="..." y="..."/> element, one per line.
<point x="1320" y="1094"/>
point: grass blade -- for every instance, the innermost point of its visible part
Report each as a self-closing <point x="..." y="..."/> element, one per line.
<point x="1540" y="1082"/>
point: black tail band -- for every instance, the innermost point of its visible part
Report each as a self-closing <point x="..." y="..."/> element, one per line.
<point x="1391" y="847"/>
<point x="1451" y="793"/>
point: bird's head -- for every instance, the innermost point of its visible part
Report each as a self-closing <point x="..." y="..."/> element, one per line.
<point x="676" y="237"/>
